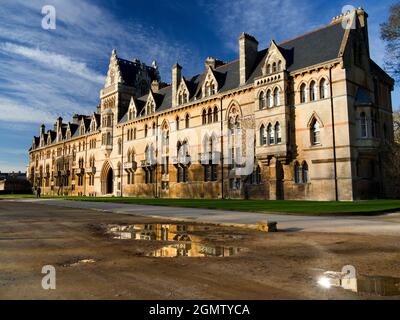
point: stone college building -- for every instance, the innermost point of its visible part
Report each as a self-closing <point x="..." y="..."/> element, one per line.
<point x="302" y="119"/>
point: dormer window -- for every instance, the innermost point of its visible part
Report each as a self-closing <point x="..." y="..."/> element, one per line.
<point x="183" y="97"/>
<point x="150" y="107"/>
<point x="210" y="89"/>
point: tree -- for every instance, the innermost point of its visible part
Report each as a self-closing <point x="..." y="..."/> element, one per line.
<point x="390" y="33"/>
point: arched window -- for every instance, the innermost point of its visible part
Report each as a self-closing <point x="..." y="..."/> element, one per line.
<point x="263" y="135"/>
<point x="177" y="123"/>
<point x="215" y="114"/>
<point x="280" y="65"/>
<point x="278" y="134"/>
<point x="297" y="173"/>
<point x="209" y="115"/>
<point x="269" y="69"/>
<point x="274" y="67"/>
<point x="145" y="130"/>
<point x="313" y="91"/>
<point x="187" y="120"/>
<point x="207" y="89"/>
<point x="134" y="133"/>
<point x="323" y="89"/>
<point x="262" y="100"/>
<point x="363" y="125"/>
<point x="276" y="97"/>
<point x="269" y="99"/>
<point x="119" y="169"/>
<point x="119" y="146"/>
<point x="154" y="129"/>
<point x="180" y="99"/>
<point x="271" y="134"/>
<point x="315" y="133"/>
<point x="213" y="89"/>
<point x="303" y="93"/>
<point x="204" y="117"/>
<point x="304" y="172"/>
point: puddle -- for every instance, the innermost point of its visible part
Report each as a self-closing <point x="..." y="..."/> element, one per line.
<point x="186" y="242"/>
<point x="156" y="232"/>
<point x="372" y="285"/>
<point x="79" y="262"/>
<point x="194" y="250"/>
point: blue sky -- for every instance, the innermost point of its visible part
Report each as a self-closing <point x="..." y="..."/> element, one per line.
<point x="47" y="73"/>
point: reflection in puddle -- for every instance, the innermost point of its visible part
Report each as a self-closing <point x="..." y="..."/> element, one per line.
<point x="187" y="243"/>
<point x="194" y="250"/>
<point x="374" y="285"/>
<point x="159" y="232"/>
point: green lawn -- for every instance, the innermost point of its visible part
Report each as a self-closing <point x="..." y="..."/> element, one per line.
<point x="7" y="196"/>
<point x="264" y="206"/>
<point x="367" y="207"/>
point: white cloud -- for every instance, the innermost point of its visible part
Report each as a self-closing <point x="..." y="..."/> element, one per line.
<point x="54" y="61"/>
<point x="10" y="111"/>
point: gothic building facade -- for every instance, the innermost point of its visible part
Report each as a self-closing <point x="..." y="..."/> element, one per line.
<point x="302" y="119"/>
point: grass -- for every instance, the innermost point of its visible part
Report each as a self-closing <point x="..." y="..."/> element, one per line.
<point x="15" y="195"/>
<point x="367" y="207"/>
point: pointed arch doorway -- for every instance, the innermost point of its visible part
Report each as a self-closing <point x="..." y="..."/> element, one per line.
<point x="107" y="179"/>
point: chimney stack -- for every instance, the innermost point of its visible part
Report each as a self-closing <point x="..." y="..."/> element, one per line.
<point x="176" y="78"/>
<point x="213" y="63"/>
<point x="42" y="128"/>
<point x="248" y="50"/>
<point x="155" y="86"/>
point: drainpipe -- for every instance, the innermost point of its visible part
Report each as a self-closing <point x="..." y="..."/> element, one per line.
<point x="84" y="177"/>
<point x="222" y="151"/>
<point x="156" y="193"/>
<point x="333" y="135"/>
<point x="121" y="174"/>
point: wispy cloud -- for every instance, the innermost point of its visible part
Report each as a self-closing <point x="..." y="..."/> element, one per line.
<point x="12" y="112"/>
<point x="266" y="20"/>
<point x="60" y="72"/>
<point x="54" y="61"/>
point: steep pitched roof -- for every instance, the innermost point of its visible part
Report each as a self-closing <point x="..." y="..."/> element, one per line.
<point x="309" y="49"/>
<point x="130" y="69"/>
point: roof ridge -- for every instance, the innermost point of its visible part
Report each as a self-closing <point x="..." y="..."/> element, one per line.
<point x="309" y="32"/>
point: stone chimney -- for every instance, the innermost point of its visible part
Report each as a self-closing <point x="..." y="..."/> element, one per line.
<point x="155" y="86"/>
<point x="42" y="129"/>
<point x="248" y="50"/>
<point x="176" y="79"/>
<point x="213" y="63"/>
<point x="75" y="118"/>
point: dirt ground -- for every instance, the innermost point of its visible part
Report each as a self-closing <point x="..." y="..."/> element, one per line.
<point x="282" y="265"/>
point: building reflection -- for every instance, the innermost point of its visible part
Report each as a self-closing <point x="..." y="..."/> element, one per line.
<point x="194" y="250"/>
